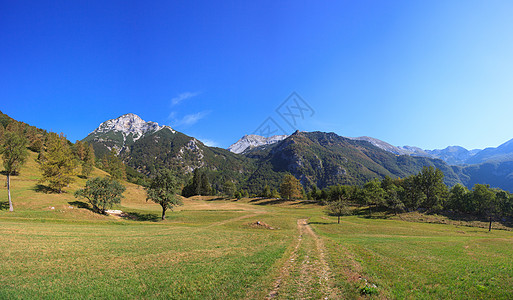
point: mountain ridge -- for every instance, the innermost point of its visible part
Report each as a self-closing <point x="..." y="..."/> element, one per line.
<point x="316" y="158"/>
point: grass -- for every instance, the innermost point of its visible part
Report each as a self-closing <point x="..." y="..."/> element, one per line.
<point x="207" y="250"/>
<point x="419" y="260"/>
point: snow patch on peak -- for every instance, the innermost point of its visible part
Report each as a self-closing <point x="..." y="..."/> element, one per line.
<point x="252" y="140"/>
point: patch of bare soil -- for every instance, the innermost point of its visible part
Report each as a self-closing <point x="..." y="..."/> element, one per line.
<point x="260" y="224"/>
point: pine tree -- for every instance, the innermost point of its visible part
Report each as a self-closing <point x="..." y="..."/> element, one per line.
<point x="14" y="154"/>
<point x="266" y="193"/>
<point x="79" y="150"/>
<point x="57" y="163"/>
<point x="229" y="188"/>
<point x="89" y="159"/>
<point x="113" y="165"/>
<point x="205" y="188"/>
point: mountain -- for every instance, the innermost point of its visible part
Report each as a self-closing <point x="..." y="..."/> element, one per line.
<point x="502" y="153"/>
<point x="316" y="158"/>
<point x="120" y="133"/>
<point x="383" y="145"/>
<point x="252" y="141"/>
<point x="324" y="159"/>
<point x="453" y="155"/>
<point x="148" y="147"/>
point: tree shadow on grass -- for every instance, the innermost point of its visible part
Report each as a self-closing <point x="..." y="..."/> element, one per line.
<point x="217" y="199"/>
<point x="80" y="204"/>
<point x="4" y="205"/>
<point x="44" y="189"/>
<point x="135" y="216"/>
<point x="322" y="223"/>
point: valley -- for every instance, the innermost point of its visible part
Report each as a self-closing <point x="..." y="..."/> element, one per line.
<point x="53" y="246"/>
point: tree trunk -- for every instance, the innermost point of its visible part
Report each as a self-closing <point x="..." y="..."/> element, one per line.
<point x="9" y="191"/>
<point x="163" y="213"/>
<point x="490" y="226"/>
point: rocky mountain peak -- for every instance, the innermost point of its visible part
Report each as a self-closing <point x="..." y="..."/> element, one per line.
<point x="252" y="140"/>
<point x="129" y="124"/>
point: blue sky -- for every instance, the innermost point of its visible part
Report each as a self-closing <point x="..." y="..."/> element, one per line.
<point x="423" y="73"/>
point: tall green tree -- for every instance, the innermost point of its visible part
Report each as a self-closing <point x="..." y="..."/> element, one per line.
<point x="88" y="161"/>
<point x="485" y="198"/>
<point x="13" y="149"/>
<point x="266" y="192"/>
<point x="373" y="194"/>
<point x="163" y="190"/>
<point x="229" y="188"/>
<point x="101" y="193"/>
<point x="431" y="183"/>
<point x="290" y="187"/>
<point x="113" y="165"/>
<point x="205" y="187"/>
<point x="79" y="150"/>
<point x="198" y="185"/>
<point x="57" y="163"/>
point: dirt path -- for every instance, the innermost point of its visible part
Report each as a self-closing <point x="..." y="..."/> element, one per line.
<point x="306" y="273"/>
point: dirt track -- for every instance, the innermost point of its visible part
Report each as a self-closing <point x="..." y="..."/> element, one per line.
<point x="306" y="273"/>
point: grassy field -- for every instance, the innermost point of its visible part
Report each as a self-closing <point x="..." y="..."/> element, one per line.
<point x="54" y="247"/>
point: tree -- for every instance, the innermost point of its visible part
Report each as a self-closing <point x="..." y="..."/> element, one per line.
<point x="411" y="195"/>
<point x="79" y="150"/>
<point x="431" y="183"/>
<point x="338" y="208"/>
<point x="89" y="160"/>
<point x="198" y="185"/>
<point x="373" y="194"/>
<point x="459" y="199"/>
<point x="392" y="199"/>
<point x="266" y="192"/>
<point x="57" y="163"/>
<point x="14" y="154"/>
<point x="485" y="198"/>
<point x="290" y="188"/>
<point x="204" y="186"/>
<point x="101" y="193"/>
<point x="163" y="190"/>
<point x="229" y="188"/>
<point x="113" y="165"/>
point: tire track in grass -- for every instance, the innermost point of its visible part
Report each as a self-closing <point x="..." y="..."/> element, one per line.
<point x="306" y="273"/>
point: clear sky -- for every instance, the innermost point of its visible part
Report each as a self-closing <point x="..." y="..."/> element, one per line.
<point x="423" y="73"/>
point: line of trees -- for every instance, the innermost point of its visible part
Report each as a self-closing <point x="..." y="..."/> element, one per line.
<point x="425" y="191"/>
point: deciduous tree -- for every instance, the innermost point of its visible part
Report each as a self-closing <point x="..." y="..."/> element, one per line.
<point x="13" y="148"/>
<point x="101" y="193"/>
<point x="163" y="190"/>
<point x="290" y="187"/>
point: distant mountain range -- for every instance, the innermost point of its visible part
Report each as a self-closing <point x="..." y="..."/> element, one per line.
<point x="452" y="155"/>
<point x="316" y="158"/>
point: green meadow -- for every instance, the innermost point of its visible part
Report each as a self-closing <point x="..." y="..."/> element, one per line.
<point x="54" y="247"/>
